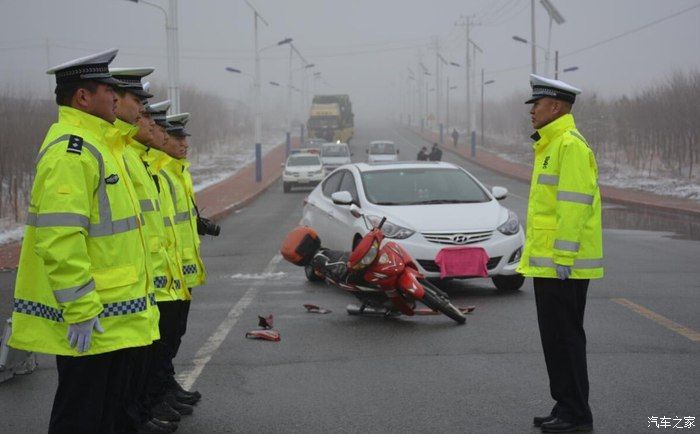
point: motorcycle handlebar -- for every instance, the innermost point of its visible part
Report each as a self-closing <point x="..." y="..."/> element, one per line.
<point x="381" y="223"/>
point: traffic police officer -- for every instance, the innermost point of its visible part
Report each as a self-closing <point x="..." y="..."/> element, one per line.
<point x="82" y="289"/>
<point x="171" y="303"/>
<point x="130" y="110"/>
<point x="563" y="248"/>
<point x="177" y="174"/>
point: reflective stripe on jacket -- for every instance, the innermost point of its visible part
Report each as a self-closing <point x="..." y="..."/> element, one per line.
<point x="177" y="174"/>
<point x="82" y="254"/>
<point x="176" y="289"/>
<point x="564" y="209"/>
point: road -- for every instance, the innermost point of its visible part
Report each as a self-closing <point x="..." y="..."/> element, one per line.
<point x="339" y="373"/>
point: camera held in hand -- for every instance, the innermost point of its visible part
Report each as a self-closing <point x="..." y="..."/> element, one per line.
<point x="207" y="227"/>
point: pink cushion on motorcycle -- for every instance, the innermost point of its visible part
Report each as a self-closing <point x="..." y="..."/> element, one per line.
<point x="462" y="262"/>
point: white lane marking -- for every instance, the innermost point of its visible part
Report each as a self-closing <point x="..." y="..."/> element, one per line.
<point x="258" y="276"/>
<point x="205" y="353"/>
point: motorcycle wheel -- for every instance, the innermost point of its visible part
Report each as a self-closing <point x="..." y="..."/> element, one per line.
<point x="435" y="301"/>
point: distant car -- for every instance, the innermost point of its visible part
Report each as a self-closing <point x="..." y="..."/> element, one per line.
<point x="382" y="151"/>
<point x="429" y="206"/>
<point x="334" y="155"/>
<point x="312" y="144"/>
<point x="302" y="169"/>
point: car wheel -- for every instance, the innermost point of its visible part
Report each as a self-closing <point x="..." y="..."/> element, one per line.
<point x="286" y="187"/>
<point x="311" y="275"/>
<point x="508" y="283"/>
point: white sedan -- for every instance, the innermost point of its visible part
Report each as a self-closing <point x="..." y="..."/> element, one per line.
<point x="429" y="206"/>
<point x="302" y="169"/>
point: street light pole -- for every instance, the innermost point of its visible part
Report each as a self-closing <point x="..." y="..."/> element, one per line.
<point x="173" y="56"/>
<point x="172" y="51"/>
<point x="532" y="36"/>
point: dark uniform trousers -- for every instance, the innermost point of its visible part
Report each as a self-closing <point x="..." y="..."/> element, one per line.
<point x="173" y="320"/>
<point x="137" y="410"/>
<point x="560" y="310"/>
<point x="90" y="394"/>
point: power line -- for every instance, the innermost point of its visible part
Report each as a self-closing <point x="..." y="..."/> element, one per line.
<point x="621" y="35"/>
<point x="605" y="41"/>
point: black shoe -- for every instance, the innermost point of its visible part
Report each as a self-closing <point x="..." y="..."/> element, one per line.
<point x="185" y="398"/>
<point x="172" y="426"/>
<point x="539" y="420"/>
<point x="151" y="428"/>
<point x="176" y="386"/>
<point x="183" y="409"/>
<point x="559" y="425"/>
<point x="162" y="411"/>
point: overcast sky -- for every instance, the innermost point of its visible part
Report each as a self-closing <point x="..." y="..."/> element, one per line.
<point x="361" y="47"/>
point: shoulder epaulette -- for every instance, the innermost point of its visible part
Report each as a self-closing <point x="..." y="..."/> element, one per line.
<point x="75" y="144"/>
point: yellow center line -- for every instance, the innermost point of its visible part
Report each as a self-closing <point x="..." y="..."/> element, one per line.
<point x="659" y="319"/>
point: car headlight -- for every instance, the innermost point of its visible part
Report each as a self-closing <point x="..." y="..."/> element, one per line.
<point x="511" y="226"/>
<point x="391" y="230"/>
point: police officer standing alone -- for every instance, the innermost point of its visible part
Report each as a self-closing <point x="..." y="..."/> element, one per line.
<point x="81" y="290"/>
<point x="563" y="248"/>
<point x="455" y="136"/>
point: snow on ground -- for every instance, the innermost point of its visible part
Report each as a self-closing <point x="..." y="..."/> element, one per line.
<point x="10" y="231"/>
<point x="621" y="175"/>
<point x="625" y="176"/>
<point x="225" y="159"/>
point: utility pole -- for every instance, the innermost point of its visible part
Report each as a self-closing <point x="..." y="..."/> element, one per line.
<point x="438" y="80"/>
<point x="467" y="22"/>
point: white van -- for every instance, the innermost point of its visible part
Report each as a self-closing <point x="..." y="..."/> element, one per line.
<point x="381" y="151"/>
<point x="334" y="155"/>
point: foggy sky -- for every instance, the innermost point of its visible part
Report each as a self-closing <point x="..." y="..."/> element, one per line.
<point x="361" y="47"/>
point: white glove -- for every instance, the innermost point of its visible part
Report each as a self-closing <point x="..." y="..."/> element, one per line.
<point x="80" y="334"/>
<point x="563" y="272"/>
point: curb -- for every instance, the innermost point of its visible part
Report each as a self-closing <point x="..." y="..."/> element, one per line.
<point x="630" y="197"/>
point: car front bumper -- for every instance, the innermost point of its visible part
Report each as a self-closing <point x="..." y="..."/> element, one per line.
<point x="502" y="251"/>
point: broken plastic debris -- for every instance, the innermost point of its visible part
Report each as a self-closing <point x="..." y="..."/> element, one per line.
<point x="466" y="309"/>
<point x="266" y="335"/>
<point x="312" y="308"/>
<point x="265" y="321"/>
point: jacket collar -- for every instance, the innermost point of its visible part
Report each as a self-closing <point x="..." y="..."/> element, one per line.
<point x="139" y="147"/>
<point x="552" y="130"/>
<point x="83" y="120"/>
<point x="127" y="130"/>
<point x="156" y="159"/>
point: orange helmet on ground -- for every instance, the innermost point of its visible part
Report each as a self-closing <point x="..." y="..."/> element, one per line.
<point x="300" y="245"/>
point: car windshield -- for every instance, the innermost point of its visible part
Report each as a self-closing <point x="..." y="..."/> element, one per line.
<point x="304" y="160"/>
<point x="421" y="187"/>
<point x="382" y="148"/>
<point x="335" y="151"/>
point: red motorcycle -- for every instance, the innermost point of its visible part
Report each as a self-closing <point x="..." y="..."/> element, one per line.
<point x="383" y="276"/>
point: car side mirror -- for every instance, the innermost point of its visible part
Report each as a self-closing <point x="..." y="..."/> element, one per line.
<point x="342" y="198"/>
<point x="282" y="165"/>
<point x="499" y="193"/>
<point x="355" y="211"/>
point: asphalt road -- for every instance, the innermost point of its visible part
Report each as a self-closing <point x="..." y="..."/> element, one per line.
<point x="340" y="373"/>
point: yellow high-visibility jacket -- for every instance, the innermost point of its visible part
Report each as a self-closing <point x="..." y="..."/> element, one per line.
<point x="564" y="211"/>
<point x="156" y="160"/>
<point x="177" y="174"/>
<point x="83" y="252"/>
